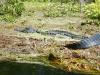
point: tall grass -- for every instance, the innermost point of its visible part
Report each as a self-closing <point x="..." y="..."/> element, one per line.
<point x="11" y="9"/>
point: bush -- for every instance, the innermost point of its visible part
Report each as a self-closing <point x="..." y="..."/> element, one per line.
<point x="56" y="9"/>
<point x="92" y="11"/>
<point x="52" y="9"/>
<point x="12" y="8"/>
<point x="7" y="17"/>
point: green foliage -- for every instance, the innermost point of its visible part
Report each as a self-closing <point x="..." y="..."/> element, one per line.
<point x="8" y="18"/>
<point x="26" y="0"/>
<point x="61" y="1"/>
<point x="19" y="9"/>
<point x="52" y="9"/>
<point x="12" y="8"/>
<point x="56" y="10"/>
<point x="92" y="11"/>
<point x="97" y="1"/>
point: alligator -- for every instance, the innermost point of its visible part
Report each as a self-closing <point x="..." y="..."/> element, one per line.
<point x="85" y="42"/>
<point x="29" y="29"/>
<point x="64" y="33"/>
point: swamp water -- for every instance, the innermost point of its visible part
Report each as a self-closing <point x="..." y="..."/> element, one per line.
<point x="37" y="66"/>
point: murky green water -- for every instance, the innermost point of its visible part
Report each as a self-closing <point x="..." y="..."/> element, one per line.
<point x="13" y="68"/>
<point x="37" y="66"/>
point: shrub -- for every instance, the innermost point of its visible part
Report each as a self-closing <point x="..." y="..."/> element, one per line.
<point x="12" y="8"/>
<point x="52" y="9"/>
<point x="92" y="11"/>
<point x="8" y="18"/>
<point x="56" y="9"/>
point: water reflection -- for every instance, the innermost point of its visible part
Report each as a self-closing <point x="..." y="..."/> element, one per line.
<point x="14" y="68"/>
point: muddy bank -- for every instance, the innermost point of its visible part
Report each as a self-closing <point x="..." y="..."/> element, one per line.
<point x="31" y="45"/>
<point x="84" y="59"/>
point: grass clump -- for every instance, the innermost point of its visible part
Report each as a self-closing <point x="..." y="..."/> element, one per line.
<point x="52" y="9"/>
<point x="92" y="11"/>
<point x="11" y="9"/>
<point x="57" y="10"/>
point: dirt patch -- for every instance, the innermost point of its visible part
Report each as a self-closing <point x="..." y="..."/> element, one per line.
<point x="17" y="44"/>
<point x="31" y="45"/>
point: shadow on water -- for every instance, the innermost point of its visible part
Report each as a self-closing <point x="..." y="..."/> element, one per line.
<point x="15" y="68"/>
